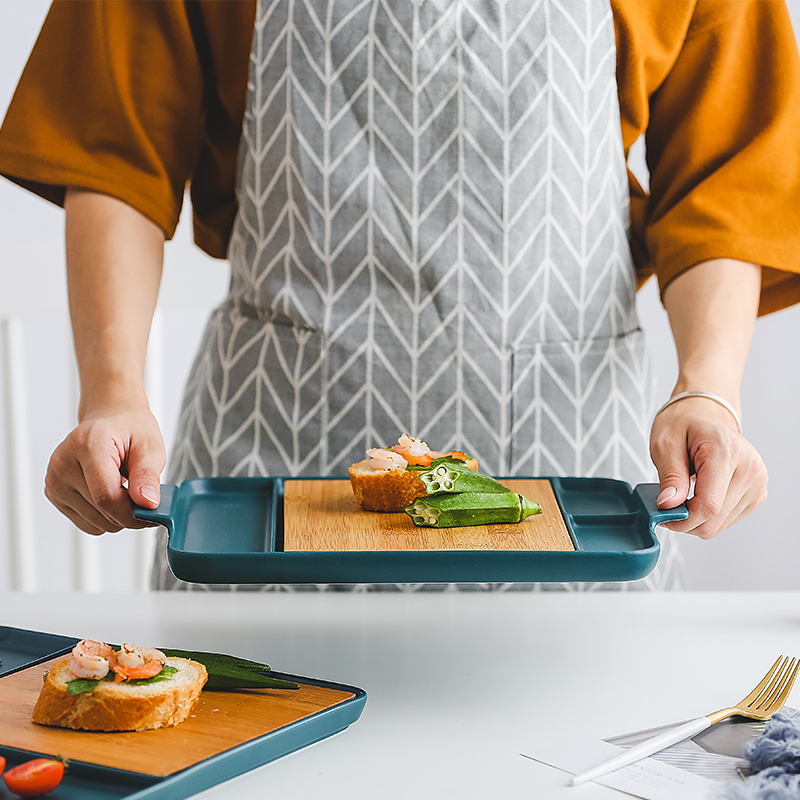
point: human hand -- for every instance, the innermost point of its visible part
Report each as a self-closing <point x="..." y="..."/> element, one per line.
<point x="87" y="470"/>
<point x="696" y="437"/>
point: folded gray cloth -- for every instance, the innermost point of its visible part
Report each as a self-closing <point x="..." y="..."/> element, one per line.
<point x="774" y="757"/>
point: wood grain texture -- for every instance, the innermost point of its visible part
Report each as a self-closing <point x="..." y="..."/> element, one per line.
<point x="323" y="516"/>
<point x="220" y="721"/>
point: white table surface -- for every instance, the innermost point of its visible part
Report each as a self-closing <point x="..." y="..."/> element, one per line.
<point x="458" y="685"/>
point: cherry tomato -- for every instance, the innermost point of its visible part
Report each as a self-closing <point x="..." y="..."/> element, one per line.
<point x="35" y="778"/>
<point x="2" y="764"/>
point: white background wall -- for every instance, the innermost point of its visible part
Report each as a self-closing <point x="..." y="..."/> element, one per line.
<point x="761" y="552"/>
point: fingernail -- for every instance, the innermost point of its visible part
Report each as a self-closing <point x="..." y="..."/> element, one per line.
<point x="667" y="493"/>
<point x="149" y="493"/>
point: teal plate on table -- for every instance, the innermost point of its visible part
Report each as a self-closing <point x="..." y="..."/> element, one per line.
<point x="20" y="649"/>
<point x="230" y="530"/>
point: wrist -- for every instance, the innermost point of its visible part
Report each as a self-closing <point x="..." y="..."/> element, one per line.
<point x="727" y="389"/>
<point x="111" y="373"/>
<point x="110" y="397"/>
<point x="705" y="397"/>
<point x="712" y="309"/>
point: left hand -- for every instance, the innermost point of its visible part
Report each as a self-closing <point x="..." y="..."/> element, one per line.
<point x="696" y="437"/>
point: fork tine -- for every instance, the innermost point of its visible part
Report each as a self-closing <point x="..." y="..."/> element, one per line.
<point x="774" y="687"/>
<point x="784" y="680"/>
<point x="771" y="693"/>
<point x="788" y="683"/>
<point x="760" y="688"/>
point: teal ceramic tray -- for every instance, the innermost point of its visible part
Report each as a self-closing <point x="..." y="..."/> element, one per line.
<point x="230" y="530"/>
<point x="20" y="649"/>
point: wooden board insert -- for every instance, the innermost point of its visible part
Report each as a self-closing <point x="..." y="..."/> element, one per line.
<point x="220" y="721"/>
<point x="323" y="516"/>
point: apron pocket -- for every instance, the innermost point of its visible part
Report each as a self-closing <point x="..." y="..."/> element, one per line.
<point x="251" y="400"/>
<point x="583" y="408"/>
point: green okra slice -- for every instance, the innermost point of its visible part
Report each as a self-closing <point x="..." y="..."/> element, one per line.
<point x="470" y="508"/>
<point x="447" y="477"/>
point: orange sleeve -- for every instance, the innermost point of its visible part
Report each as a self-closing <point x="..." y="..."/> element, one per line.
<point x="223" y="35"/>
<point x="716" y="87"/>
<point x="110" y="100"/>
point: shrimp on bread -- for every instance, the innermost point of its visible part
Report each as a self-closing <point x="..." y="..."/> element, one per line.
<point x="137" y="663"/>
<point x="384" y="482"/>
<point x="131" y="689"/>
<point x="90" y="659"/>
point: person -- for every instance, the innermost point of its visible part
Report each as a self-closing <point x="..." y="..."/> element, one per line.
<point x="431" y="230"/>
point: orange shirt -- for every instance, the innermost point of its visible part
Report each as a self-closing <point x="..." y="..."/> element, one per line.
<point x="138" y="98"/>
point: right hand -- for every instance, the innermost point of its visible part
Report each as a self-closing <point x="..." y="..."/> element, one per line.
<point x="87" y="470"/>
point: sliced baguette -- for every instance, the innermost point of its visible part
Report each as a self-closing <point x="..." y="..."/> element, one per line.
<point x="120" y="706"/>
<point x="384" y="489"/>
<point x="389" y="490"/>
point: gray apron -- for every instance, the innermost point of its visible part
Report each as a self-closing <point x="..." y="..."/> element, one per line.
<point x="431" y="239"/>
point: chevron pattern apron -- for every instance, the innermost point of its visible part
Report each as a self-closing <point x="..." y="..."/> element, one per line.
<point x="432" y="239"/>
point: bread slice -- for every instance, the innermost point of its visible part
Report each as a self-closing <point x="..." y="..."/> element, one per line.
<point x="384" y="489"/>
<point x="120" y="706"/>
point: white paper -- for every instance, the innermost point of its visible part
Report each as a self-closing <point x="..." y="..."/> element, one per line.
<point x="696" y="769"/>
<point x="649" y="779"/>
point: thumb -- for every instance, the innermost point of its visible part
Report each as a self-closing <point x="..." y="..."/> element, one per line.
<point x="144" y="482"/>
<point x="145" y="489"/>
<point x="674" y="476"/>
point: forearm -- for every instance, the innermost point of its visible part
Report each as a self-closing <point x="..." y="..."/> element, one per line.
<point x="712" y="310"/>
<point x="114" y="262"/>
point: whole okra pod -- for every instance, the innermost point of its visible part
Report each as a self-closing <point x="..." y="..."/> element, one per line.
<point x="448" y="477"/>
<point x="231" y="672"/>
<point x="470" y="508"/>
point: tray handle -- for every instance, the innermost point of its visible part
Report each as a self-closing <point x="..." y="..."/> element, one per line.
<point x="648" y="494"/>
<point x="162" y="513"/>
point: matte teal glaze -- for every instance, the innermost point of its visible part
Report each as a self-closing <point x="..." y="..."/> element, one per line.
<point x="230" y="530"/>
<point x="20" y="649"/>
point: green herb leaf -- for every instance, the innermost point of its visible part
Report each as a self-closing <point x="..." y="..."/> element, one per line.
<point x="81" y="685"/>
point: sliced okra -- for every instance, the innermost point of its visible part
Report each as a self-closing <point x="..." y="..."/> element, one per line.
<point x="442" y="478"/>
<point x="470" y="508"/>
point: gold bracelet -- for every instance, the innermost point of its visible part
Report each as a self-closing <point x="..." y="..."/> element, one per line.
<point x="709" y="396"/>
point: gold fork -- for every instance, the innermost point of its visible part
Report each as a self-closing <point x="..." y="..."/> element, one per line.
<point x="765" y="700"/>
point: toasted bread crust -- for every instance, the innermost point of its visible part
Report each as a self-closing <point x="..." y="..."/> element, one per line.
<point x="384" y="490"/>
<point x="120" y="706"/>
<point x="389" y="490"/>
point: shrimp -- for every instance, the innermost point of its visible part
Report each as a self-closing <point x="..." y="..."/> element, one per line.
<point x="385" y="459"/>
<point x="91" y="659"/>
<point x="134" y="663"/>
<point x="415" y="451"/>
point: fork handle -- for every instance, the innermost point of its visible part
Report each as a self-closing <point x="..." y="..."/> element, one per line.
<point x="644" y="749"/>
